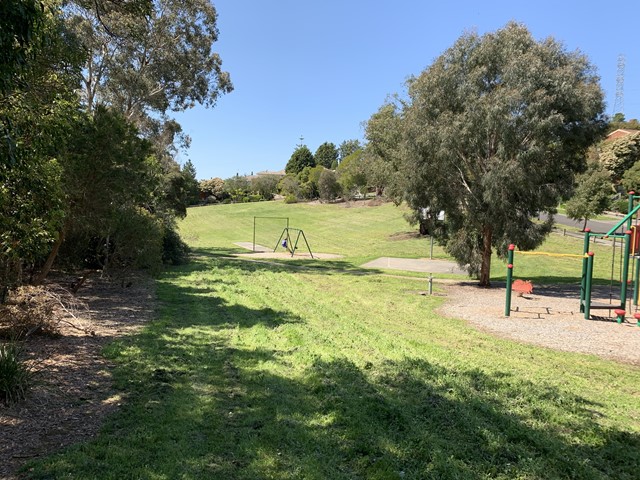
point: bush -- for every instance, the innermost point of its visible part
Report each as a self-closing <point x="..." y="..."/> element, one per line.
<point x="15" y="374"/>
<point x="621" y="206"/>
<point x="174" y="250"/>
<point x="290" y="199"/>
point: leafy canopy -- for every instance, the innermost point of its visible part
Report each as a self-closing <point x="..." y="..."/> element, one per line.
<point x="493" y="132"/>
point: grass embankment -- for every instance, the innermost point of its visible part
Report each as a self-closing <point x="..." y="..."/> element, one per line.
<point x="255" y="371"/>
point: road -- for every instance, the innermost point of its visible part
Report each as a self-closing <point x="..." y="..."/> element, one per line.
<point x="598" y="226"/>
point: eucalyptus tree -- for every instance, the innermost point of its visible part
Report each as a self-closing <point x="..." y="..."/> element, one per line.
<point x="494" y="132"/>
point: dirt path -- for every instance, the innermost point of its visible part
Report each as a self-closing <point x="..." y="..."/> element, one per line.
<point x="72" y="394"/>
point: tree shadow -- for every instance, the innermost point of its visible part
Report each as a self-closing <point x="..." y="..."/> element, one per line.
<point x="314" y="266"/>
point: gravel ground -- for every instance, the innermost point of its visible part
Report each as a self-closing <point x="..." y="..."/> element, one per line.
<point x="550" y="317"/>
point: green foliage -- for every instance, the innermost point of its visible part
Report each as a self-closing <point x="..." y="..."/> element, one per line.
<point x="326" y="155"/>
<point x="191" y="186"/>
<point x="290" y="198"/>
<point x="15" y="374"/>
<point x="266" y="186"/>
<point x="289" y="186"/>
<point x="352" y="174"/>
<point x="631" y="178"/>
<point x="621" y="206"/>
<point x="213" y="187"/>
<point x="493" y="132"/>
<point x="348" y="147"/>
<point x="38" y="106"/>
<point x="328" y="186"/>
<point x="619" y="155"/>
<point x="18" y="30"/>
<point x="592" y="195"/>
<point x="301" y="158"/>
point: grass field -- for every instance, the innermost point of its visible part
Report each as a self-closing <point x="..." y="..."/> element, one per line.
<point x="264" y="371"/>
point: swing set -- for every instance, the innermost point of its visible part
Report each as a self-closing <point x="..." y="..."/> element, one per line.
<point x="286" y="240"/>
<point x="630" y="241"/>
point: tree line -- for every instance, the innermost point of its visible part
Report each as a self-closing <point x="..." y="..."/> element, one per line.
<point x="88" y="171"/>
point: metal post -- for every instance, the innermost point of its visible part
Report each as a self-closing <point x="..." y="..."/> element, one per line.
<point x="431" y="253"/>
<point x="636" y="280"/>
<point x="630" y="208"/>
<point x="507" y="306"/>
<point x="587" y="233"/>
<point x="254" y="234"/>
<point x="625" y="269"/>
<point x="587" y="298"/>
<point x="430" y="284"/>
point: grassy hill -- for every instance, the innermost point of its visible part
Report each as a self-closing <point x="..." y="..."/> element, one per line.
<point x="269" y="371"/>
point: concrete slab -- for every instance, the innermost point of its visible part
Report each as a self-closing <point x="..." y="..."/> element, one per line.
<point x="264" y="252"/>
<point x="416" y="265"/>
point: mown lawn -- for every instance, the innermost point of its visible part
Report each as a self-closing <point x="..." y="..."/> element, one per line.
<point x="263" y="371"/>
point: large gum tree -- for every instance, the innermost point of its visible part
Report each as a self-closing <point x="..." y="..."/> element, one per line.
<point x="494" y="132"/>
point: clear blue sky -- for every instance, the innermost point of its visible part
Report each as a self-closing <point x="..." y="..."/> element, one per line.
<point x="319" y="68"/>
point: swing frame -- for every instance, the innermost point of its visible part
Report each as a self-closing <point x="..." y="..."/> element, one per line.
<point x="293" y="246"/>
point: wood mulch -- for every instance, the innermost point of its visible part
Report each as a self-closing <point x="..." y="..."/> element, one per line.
<point x="548" y="317"/>
<point x="72" y="393"/>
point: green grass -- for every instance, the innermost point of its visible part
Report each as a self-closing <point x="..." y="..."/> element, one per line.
<point x="261" y="371"/>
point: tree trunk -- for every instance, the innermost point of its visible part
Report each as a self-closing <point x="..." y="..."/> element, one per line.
<point x="485" y="268"/>
<point x="584" y="227"/>
<point x="39" y="278"/>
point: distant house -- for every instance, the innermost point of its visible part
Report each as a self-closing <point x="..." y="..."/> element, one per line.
<point x="619" y="133"/>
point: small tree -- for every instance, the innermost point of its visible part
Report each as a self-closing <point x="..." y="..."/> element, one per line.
<point x="301" y="157"/>
<point x="631" y="178"/>
<point x="619" y="155"/>
<point x="213" y="187"/>
<point x="348" y="147"/>
<point x="328" y="186"/>
<point x="326" y="155"/>
<point x="591" y="197"/>
<point x="352" y="174"/>
<point x="265" y="185"/>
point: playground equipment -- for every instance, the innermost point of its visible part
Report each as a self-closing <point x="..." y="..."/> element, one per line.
<point x="631" y="249"/>
<point x="287" y="242"/>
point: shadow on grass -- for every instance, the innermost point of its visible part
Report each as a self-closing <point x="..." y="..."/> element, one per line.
<point x="202" y="404"/>
<point x="323" y="267"/>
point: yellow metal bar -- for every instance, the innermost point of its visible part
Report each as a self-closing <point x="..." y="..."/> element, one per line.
<point x="549" y="254"/>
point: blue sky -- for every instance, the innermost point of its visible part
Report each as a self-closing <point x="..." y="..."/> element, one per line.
<point x="319" y="68"/>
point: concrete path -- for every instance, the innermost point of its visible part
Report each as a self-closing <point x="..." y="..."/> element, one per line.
<point x="416" y="265"/>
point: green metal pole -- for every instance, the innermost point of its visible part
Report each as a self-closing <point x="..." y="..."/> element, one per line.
<point x="507" y="306"/>
<point x="629" y="208"/>
<point x="587" y="298"/>
<point x="636" y="280"/>
<point x="625" y="268"/>
<point x="583" y="282"/>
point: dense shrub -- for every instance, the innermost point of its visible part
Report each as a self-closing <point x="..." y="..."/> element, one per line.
<point x="621" y="205"/>
<point x="290" y="199"/>
<point x="174" y="250"/>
